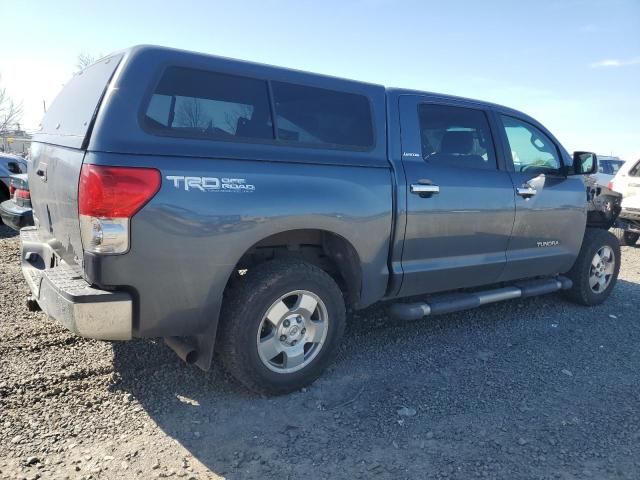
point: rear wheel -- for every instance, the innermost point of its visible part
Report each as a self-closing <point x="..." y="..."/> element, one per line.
<point x="627" y="239"/>
<point x="281" y="326"/>
<point x="595" y="272"/>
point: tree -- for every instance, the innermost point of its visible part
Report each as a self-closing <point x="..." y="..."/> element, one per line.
<point x="10" y="112"/>
<point x="232" y="117"/>
<point x="190" y="113"/>
<point x="84" y="60"/>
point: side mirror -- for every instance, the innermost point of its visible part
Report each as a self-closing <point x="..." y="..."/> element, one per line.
<point x="584" y="163"/>
<point x="13" y="167"/>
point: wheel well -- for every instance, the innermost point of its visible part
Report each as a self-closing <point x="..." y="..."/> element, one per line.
<point x="328" y="251"/>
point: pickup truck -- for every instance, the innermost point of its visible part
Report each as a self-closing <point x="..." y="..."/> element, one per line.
<point x="238" y="210"/>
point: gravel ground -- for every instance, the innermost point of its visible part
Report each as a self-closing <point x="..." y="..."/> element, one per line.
<point x="538" y="388"/>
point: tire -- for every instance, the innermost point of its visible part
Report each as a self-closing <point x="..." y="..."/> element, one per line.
<point x="584" y="272"/>
<point x="626" y="239"/>
<point x="264" y="309"/>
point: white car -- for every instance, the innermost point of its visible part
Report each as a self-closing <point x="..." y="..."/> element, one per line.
<point x="627" y="182"/>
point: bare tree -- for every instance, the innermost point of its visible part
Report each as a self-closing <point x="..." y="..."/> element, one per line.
<point x="190" y="113"/>
<point x="231" y="118"/>
<point x="10" y="112"/>
<point x="84" y="60"/>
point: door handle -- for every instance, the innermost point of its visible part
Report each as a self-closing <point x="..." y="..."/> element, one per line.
<point x="424" y="189"/>
<point x="526" y="191"/>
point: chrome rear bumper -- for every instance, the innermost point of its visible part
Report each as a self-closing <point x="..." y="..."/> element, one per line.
<point x="64" y="295"/>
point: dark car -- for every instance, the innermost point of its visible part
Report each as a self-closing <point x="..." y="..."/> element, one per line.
<point x="16" y="211"/>
<point x="9" y="165"/>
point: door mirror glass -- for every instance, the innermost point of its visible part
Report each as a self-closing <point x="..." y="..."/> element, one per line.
<point x="13" y="167"/>
<point x="584" y="163"/>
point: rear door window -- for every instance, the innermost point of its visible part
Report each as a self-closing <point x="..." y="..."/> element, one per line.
<point x="196" y="103"/>
<point x="317" y="116"/>
<point x="456" y="137"/>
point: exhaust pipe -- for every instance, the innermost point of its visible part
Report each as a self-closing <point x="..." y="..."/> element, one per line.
<point x="186" y="351"/>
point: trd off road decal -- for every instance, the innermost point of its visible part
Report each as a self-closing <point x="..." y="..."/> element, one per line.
<point x="211" y="184"/>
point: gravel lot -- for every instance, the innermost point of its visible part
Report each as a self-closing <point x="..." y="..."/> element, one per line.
<point x="527" y="389"/>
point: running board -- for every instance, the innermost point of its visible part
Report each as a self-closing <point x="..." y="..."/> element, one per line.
<point x="463" y="301"/>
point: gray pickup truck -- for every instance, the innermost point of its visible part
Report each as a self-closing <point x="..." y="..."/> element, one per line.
<point x="238" y="210"/>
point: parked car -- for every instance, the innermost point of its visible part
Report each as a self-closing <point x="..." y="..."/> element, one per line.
<point x="627" y="182"/>
<point x="607" y="168"/>
<point x="239" y="208"/>
<point x="16" y="211"/>
<point x="9" y="165"/>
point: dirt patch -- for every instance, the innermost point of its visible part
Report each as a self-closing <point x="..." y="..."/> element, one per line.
<point x="539" y="388"/>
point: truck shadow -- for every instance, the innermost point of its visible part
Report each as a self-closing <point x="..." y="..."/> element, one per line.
<point x="6" y="232"/>
<point x="494" y="372"/>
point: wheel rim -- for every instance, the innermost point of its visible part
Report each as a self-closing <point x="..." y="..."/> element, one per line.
<point x="602" y="268"/>
<point x="292" y="331"/>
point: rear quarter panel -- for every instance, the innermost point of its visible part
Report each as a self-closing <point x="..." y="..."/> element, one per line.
<point x="185" y="244"/>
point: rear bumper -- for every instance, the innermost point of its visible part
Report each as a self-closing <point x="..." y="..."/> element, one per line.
<point x="15" y="216"/>
<point x="64" y="295"/>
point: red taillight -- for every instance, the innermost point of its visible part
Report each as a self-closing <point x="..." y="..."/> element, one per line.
<point x="610" y="185"/>
<point x="116" y="192"/>
<point x="20" y="193"/>
<point x="12" y="189"/>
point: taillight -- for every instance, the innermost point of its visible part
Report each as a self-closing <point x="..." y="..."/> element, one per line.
<point x="21" y="193"/>
<point x="610" y="185"/>
<point x="12" y="189"/>
<point x="107" y="198"/>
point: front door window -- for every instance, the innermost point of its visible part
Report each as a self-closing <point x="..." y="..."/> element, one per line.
<point x="531" y="150"/>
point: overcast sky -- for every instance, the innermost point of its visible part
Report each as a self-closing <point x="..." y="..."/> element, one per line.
<point x="574" y="65"/>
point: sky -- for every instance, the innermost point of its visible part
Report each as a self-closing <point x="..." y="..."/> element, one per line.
<point x="573" y="65"/>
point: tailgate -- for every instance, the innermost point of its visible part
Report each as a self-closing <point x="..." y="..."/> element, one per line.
<point x="57" y="153"/>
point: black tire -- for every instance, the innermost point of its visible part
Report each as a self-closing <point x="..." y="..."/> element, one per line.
<point x="626" y="239"/>
<point x="581" y="291"/>
<point x="247" y="304"/>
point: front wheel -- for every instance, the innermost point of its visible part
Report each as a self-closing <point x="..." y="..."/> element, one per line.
<point x="281" y="326"/>
<point x="595" y="272"/>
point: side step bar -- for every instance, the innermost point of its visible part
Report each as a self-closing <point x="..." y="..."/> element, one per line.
<point x="464" y="301"/>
